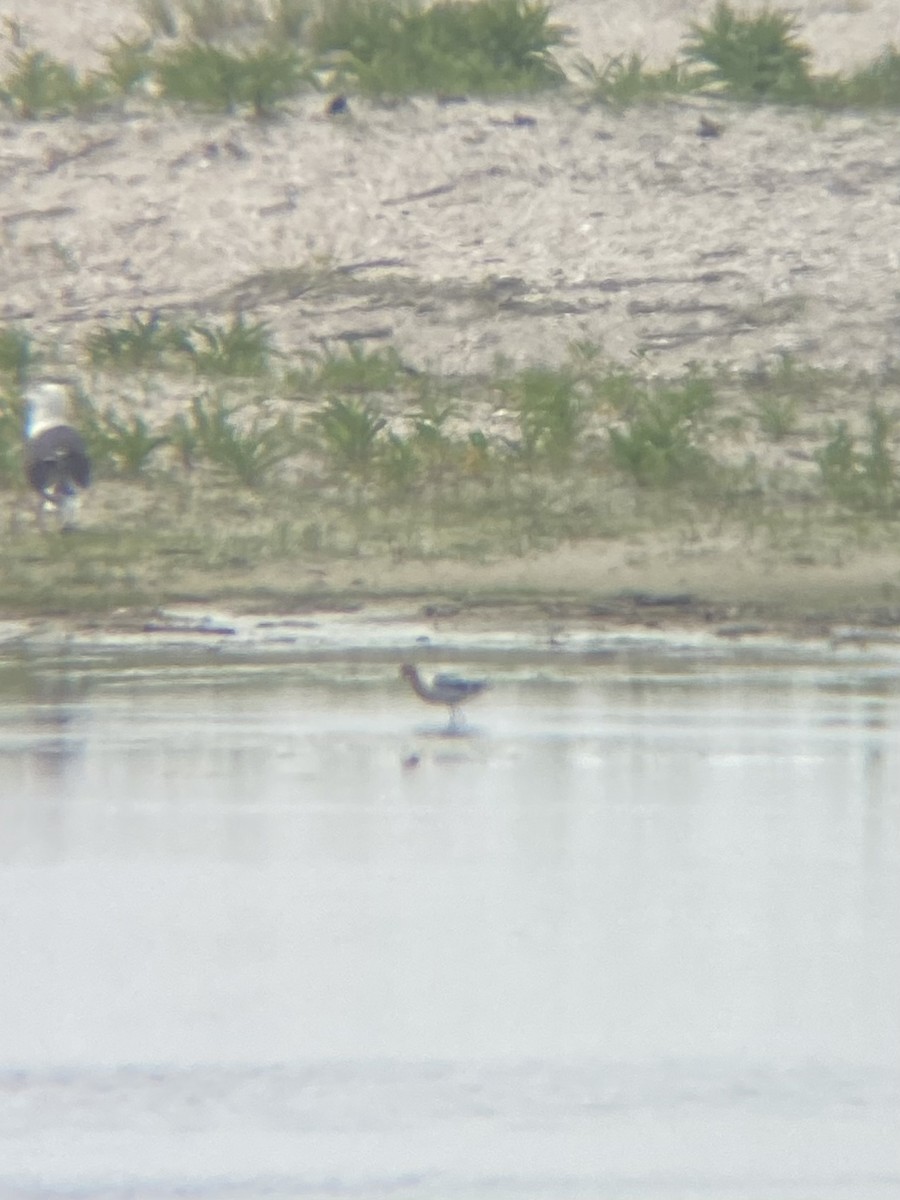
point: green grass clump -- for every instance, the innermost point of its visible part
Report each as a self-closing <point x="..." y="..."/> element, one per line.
<point x="662" y="440"/>
<point x="876" y="85"/>
<point x="551" y="411"/>
<point x="258" y="78"/>
<point x="399" y="466"/>
<point x="120" y="444"/>
<point x="349" y="432"/>
<point x="624" y="81"/>
<point x="242" y="349"/>
<point x="776" y="415"/>
<point x="242" y="447"/>
<point x="17" y="355"/>
<point x="129" y="63"/>
<point x="42" y="86"/>
<point x="145" y="343"/>
<point x="863" y="478"/>
<point x="755" y="57"/>
<point x="391" y="47"/>
<point x="131" y="443"/>
<point x="787" y="378"/>
<point x="353" y="369"/>
<point x="12" y="417"/>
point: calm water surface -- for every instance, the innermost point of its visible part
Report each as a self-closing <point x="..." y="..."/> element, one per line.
<point x="635" y="934"/>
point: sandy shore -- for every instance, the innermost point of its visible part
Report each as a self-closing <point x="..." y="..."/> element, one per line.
<point x="460" y="233"/>
<point x="841" y="33"/>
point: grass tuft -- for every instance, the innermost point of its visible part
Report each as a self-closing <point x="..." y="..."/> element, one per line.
<point x="12" y="415"/>
<point x="242" y="447"/>
<point x="875" y="85"/>
<point x="353" y="369"/>
<point x="861" y="478"/>
<point x="129" y="63"/>
<point x="624" y="81"/>
<point x="144" y="343"/>
<point x="662" y="441"/>
<point x="258" y="78"/>
<point x="42" y="86"/>
<point x="392" y="47"/>
<point x="756" y="57"/>
<point x="551" y="412"/>
<point x="242" y="349"/>
<point x="17" y="355"/>
<point x="349" y="432"/>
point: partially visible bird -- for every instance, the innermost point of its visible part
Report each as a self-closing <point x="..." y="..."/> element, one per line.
<point x="708" y="128"/>
<point x="57" y="465"/>
<point x="451" y="690"/>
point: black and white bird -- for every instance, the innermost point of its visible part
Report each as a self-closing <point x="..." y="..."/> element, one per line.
<point x="57" y="465"/>
<point x="450" y="690"/>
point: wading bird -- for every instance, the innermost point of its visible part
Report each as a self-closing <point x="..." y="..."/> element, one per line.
<point x="56" y="459"/>
<point x="444" y="689"/>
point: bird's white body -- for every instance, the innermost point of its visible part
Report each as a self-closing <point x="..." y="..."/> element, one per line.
<point x="56" y="460"/>
<point x="46" y="406"/>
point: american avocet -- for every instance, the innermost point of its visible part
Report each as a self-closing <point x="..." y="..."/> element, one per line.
<point x="451" y="690"/>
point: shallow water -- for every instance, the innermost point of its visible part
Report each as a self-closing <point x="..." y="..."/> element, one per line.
<point x="268" y="931"/>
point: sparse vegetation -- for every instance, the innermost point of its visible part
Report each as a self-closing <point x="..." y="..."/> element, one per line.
<point x="257" y="78"/>
<point x="11" y="418"/>
<point x="662" y="439"/>
<point x="626" y="80"/>
<point x="349" y="431"/>
<point x="466" y="466"/>
<point x="121" y="444"/>
<point x="211" y="20"/>
<point x="17" y="355"/>
<point x="862" y="477"/>
<point x="241" y="349"/>
<point x="41" y="86"/>
<point x="132" y="443"/>
<point x="777" y="416"/>
<point x="145" y="343"/>
<point x="424" y="466"/>
<point x="353" y="369"/>
<point x="374" y="455"/>
<point x="551" y="410"/>
<point x="756" y="57"/>
<point x="242" y="445"/>
<point x="245" y="56"/>
<point x="129" y="63"/>
<point x="390" y="47"/>
<point x="875" y="85"/>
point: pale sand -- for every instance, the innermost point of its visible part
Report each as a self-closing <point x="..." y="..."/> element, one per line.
<point x="628" y="231"/>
